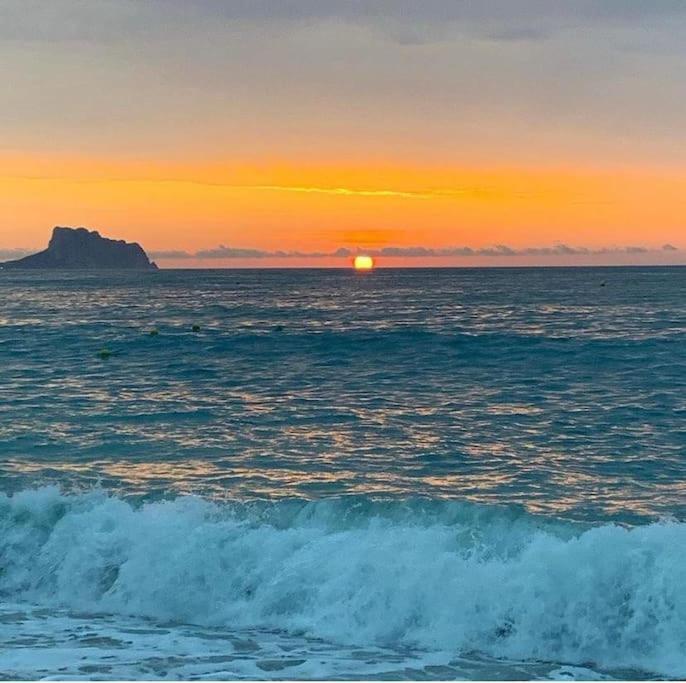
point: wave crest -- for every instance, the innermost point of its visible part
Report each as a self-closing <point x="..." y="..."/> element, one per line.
<point x="435" y="574"/>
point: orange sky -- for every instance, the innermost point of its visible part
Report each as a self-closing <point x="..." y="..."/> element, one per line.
<point x="321" y="208"/>
<point x="310" y="128"/>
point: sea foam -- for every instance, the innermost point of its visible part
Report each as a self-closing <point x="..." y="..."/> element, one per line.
<point x="433" y="574"/>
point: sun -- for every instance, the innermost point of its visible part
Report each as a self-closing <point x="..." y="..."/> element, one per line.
<point x="363" y="262"/>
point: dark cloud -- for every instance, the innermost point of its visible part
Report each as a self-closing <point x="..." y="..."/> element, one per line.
<point x="501" y="250"/>
<point x="498" y="250"/>
<point x="557" y="250"/>
<point x="505" y="250"/>
<point x="342" y="251"/>
<point x="404" y="251"/>
<point x="231" y="252"/>
<point x="223" y="252"/>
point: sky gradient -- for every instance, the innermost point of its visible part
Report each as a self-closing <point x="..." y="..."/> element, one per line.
<point x="441" y="132"/>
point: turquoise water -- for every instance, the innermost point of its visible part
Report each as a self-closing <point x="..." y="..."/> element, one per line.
<point x="309" y="473"/>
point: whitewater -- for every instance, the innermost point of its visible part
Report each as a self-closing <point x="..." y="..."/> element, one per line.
<point x="321" y="474"/>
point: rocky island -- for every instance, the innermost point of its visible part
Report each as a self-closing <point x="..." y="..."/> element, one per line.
<point x="79" y="248"/>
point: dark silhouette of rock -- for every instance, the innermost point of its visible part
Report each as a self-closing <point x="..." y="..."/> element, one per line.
<point x="80" y="248"/>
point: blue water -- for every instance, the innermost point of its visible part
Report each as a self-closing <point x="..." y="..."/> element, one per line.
<point x="323" y="474"/>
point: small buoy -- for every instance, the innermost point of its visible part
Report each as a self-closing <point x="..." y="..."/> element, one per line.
<point x="104" y="354"/>
<point x="196" y="328"/>
<point x="154" y="332"/>
<point x="279" y="328"/>
<point x="602" y="284"/>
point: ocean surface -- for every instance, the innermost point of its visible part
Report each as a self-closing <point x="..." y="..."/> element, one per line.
<point x="421" y="473"/>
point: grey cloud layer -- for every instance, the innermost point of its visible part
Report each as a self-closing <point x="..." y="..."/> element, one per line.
<point x="103" y="20"/>
<point x="527" y="78"/>
<point x="224" y="252"/>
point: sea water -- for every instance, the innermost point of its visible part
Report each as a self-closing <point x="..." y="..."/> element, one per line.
<point x="417" y="473"/>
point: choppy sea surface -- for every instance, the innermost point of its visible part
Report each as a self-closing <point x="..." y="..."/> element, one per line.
<point x="416" y="473"/>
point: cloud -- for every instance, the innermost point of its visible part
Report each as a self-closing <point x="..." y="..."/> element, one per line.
<point x="230" y="252"/>
<point x="223" y="252"/>
<point x="498" y="250"/>
<point x="12" y="254"/>
<point x="519" y="34"/>
<point x="557" y="250"/>
<point x="407" y="22"/>
<point x="522" y="77"/>
<point x="521" y="20"/>
<point x="170" y="254"/>
<point x="405" y="251"/>
<point x="361" y="192"/>
<point x="505" y="250"/>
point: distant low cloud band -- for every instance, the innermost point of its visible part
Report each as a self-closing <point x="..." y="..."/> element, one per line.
<point x="226" y="252"/>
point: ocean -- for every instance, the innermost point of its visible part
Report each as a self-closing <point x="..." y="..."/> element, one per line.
<point x="411" y="473"/>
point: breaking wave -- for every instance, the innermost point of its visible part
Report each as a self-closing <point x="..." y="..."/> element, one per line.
<point x="433" y="574"/>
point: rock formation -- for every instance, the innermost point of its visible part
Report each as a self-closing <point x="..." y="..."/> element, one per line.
<point x="78" y="248"/>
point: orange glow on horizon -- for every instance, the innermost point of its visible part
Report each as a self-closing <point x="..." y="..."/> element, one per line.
<point x="308" y="208"/>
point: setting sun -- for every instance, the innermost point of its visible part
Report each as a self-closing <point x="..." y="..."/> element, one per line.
<point x="363" y="263"/>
